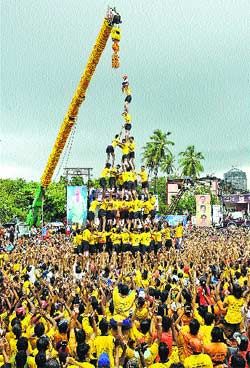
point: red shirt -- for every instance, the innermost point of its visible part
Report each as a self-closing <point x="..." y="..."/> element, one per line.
<point x="167" y="338"/>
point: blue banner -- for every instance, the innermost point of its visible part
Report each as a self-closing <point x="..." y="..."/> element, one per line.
<point x="174" y="220"/>
<point x="77" y="199"/>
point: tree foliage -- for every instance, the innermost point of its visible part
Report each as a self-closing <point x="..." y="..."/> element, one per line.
<point x="16" y="195"/>
<point x="157" y="153"/>
<point x="190" y="162"/>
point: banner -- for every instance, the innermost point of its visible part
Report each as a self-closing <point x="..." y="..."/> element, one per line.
<point x="237" y="198"/>
<point x="77" y="198"/>
<point x="203" y="210"/>
<point x="217" y="215"/>
<point x="174" y="220"/>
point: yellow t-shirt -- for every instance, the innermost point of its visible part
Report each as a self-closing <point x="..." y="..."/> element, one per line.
<point x="206" y="332"/>
<point x="162" y="365"/>
<point x="144" y="176"/>
<point x="125" y="148"/>
<point x="77" y="239"/>
<point x="135" y="239"/>
<point x="145" y="238"/>
<point x="93" y="205"/>
<point x="166" y="233"/>
<point x="127" y="90"/>
<point x="110" y="205"/>
<point x="233" y="315"/>
<point x="179" y="231"/>
<point x="86" y="235"/>
<point x="147" y="207"/>
<point x="127" y="118"/>
<point x="113" y="172"/>
<point x="137" y="205"/>
<point x="103" y="205"/>
<point x="104" y="344"/>
<point x="80" y="364"/>
<point x="125" y="237"/>
<point x="105" y="173"/>
<point x="198" y="361"/>
<point x="115" y="142"/>
<point x="116" y="238"/>
<point x="123" y="304"/>
<point x="115" y="205"/>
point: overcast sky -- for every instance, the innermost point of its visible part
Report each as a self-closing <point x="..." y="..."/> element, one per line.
<point x="188" y="63"/>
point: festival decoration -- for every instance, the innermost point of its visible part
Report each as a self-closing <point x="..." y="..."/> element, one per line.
<point x="116" y="37"/>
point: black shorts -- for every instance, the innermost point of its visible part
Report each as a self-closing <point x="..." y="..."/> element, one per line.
<point x="128" y="185"/>
<point x="124" y="157"/>
<point x="109" y="215"/>
<point x="152" y="214"/>
<point x="145" y="215"/>
<point x="136" y="215"/>
<point x="158" y="246"/>
<point x="128" y="98"/>
<point x="124" y="215"/>
<point x="110" y="149"/>
<point x="131" y="215"/>
<point x="117" y="248"/>
<point x="127" y="126"/>
<point x="85" y="246"/>
<point x="135" y="249"/>
<point x="103" y="183"/>
<point x="127" y="247"/>
<point x="109" y="246"/>
<point x="152" y="245"/>
<point x="133" y="186"/>
<point x="101" y="213"/>
<point x="168" y="243"/>
<point x="91" y="216"/>
<point x="132" y="155"/>
<point x="144" y="184"/>
<point x="79" y="249"/>
<point x="112" y="181"/>
<point x="92" y="249"/>
<point x="144" y="248"/>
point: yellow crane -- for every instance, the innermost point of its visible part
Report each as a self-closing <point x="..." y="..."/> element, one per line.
<point x="110" y="24"/>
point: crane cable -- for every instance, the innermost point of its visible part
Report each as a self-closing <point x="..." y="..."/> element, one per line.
<point x="67" y="151"/>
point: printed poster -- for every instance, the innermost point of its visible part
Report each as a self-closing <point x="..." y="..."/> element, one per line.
<point x="77" y="200"/>
<point x="203" y="210"/>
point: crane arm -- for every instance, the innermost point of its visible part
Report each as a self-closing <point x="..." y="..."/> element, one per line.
<point x="77" y="100"/>
<point x="112" y="18"/>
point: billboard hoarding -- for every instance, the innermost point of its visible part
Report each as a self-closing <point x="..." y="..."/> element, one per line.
<point x="203" y="210"/>
<point x="77" y="200"/>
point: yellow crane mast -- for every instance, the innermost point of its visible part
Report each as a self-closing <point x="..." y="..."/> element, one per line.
<point x="111" y="21"/>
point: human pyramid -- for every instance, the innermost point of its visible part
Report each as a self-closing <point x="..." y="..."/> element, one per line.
<point x="123" y="219"/>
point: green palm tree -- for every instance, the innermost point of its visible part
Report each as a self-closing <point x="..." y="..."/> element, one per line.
<point x="156" y="151"/>
<point x="167" y="165"/>
<point x="190" y="162"/>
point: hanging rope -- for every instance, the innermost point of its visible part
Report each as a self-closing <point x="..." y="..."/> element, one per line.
<point x="66" y="152"/>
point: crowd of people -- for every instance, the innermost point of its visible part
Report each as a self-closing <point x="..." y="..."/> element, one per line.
<point x="127" y="290"/>
<point x="188" y="308"/>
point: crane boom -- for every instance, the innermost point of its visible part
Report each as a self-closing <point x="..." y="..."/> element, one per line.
<point x="77" y="100"/>
<point x="112" y="18"/>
